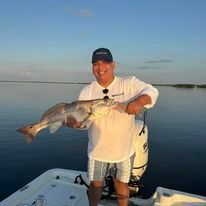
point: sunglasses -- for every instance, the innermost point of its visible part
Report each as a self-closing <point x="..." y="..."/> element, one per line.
<point x="105" y="91"/>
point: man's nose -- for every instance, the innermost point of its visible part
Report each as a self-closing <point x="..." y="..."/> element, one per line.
<point x="101" y="65"/>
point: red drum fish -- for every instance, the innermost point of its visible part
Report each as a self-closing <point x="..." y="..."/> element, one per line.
<point x="84" y="112"/>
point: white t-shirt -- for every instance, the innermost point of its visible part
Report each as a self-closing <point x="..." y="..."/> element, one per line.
<point x="112" y="137"/>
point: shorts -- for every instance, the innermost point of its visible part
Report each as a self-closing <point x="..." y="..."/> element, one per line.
<point x="98" y="170"/>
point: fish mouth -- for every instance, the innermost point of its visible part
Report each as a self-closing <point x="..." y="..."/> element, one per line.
<point x="28" y="132"/>
<point x="108" y="100"/>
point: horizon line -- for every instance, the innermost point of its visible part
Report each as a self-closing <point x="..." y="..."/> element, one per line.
<point x="65" y="82"/>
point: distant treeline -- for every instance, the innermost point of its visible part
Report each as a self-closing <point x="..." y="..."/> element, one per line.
<point x="190" y="85"/>
<point x="183" y="85"/>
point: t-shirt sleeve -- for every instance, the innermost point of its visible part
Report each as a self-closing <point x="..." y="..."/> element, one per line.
<point x="141" y="88"/>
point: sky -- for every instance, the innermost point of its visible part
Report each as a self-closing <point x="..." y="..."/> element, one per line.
<point x="158" y="41"/>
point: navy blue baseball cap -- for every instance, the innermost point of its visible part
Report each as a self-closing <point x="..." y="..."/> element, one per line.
<point x="102" y="54"/>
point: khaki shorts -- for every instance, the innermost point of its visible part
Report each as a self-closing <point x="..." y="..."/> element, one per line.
<point x="98" y="170"/>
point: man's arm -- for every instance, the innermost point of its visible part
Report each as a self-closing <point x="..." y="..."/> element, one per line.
<point x="135" y="106"/>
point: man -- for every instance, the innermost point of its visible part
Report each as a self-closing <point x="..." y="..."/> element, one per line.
<point x="112" y="137"/>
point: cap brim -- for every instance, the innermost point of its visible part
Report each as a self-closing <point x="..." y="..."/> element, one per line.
<point x="105" y="60"/>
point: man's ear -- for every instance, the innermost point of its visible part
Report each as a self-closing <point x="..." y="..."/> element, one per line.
<point x="113" y="65"/>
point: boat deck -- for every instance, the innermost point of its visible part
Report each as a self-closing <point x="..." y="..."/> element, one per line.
<point x="57" y="187"/>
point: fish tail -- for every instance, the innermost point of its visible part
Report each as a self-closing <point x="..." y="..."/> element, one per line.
<point x="30" y="131"/>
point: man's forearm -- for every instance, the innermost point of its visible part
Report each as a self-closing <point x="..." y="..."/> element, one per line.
<point x="143" y="100"/>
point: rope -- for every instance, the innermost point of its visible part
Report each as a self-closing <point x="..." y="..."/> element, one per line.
<point x="144" y="123"/>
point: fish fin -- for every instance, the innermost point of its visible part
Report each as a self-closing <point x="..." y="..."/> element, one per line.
<point x="54" y="127"/>
<point x="58" y="108"/>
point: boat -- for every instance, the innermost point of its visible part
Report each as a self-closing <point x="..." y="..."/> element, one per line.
<point x="64" y="187"/>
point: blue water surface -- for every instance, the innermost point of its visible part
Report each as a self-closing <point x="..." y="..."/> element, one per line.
<point x="177" y="139"/>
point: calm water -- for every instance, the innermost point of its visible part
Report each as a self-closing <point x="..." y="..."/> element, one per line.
<point x="177" y="138"/>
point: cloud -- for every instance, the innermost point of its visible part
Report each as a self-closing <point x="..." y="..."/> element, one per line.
<point x="149" y="67"/>
<point x="33" y="66"/>
<point x="145" y="67"/>
<point x="159" y="61"/>
<point x="20" y="71"/>
<point x="84" y="12"/>
<point x="78" y="12"/>
<point x="42" y="72"/>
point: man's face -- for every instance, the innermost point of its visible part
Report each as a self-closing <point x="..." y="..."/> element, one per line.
<point x="104" y="72"/>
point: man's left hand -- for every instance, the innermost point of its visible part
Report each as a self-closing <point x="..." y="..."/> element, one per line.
<point x="134" y="108"/>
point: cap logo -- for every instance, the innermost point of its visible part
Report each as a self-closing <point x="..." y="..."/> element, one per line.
<point x="101" y="53"/>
